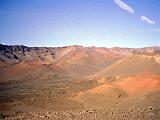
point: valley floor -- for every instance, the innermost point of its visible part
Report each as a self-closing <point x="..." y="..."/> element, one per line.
<point x="53" y="97"/>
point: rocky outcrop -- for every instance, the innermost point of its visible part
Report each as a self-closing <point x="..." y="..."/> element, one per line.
<point x="18" y="53"/>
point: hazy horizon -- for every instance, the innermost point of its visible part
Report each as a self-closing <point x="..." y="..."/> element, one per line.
<point x="80" y="45"/>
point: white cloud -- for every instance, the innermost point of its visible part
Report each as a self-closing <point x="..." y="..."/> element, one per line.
<point x="124" y="6"/>
<point x="147" y="20"/>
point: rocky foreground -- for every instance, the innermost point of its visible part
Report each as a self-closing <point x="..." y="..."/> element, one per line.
<point x="89" y="114"/>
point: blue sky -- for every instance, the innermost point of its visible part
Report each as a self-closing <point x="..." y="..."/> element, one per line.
<point x="108" y="23"/>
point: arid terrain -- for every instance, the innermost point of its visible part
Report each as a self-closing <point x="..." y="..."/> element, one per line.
<point x="79" y="83"/>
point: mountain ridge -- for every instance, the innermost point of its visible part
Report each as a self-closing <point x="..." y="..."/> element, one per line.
<point x="17" y="53"/>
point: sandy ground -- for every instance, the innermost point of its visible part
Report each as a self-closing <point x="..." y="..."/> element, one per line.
<point x="47" y="97"/>
<point x="42" y="94"/>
